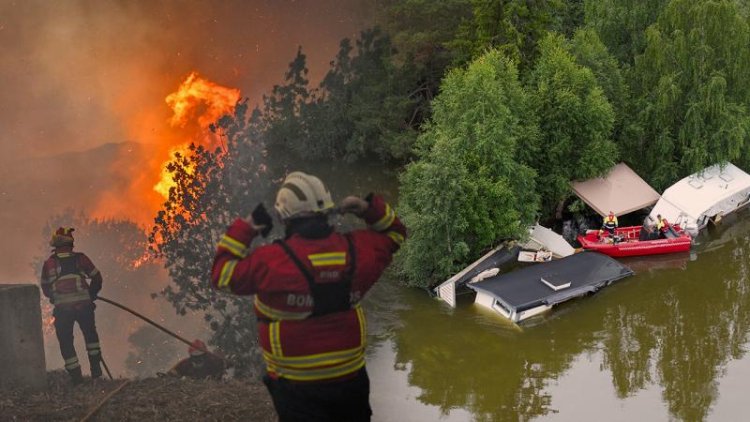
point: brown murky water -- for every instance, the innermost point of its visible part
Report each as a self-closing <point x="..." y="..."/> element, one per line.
<point x="666" y="344"/>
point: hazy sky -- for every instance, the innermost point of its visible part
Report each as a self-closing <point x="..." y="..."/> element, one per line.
<point x="77" y="73"/>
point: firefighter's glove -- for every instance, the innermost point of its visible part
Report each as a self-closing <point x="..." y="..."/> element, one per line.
<point x="354" y="205"/>
<point x="261" y="220"/>
<point x="93" y="296"/>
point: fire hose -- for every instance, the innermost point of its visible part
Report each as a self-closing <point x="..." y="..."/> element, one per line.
<point x="171" y="333"/>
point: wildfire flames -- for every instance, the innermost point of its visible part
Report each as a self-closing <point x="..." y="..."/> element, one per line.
<point x="196" y="92"/>
<point x="196" y="104"/>
<point x="48" y="321"/>
<point x="200" y="102"/>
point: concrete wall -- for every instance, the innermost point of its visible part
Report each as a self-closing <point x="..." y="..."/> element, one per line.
<point x="21" y="341"/>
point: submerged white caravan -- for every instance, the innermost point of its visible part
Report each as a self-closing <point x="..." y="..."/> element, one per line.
<point x="709" y="194"/>
<point x="541" y="239"/>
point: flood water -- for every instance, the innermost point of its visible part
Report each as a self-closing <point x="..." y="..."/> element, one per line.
<point x="668" y="343"/>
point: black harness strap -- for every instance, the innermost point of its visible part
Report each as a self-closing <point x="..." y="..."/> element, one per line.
<point x="327" y="297"/>
<point x="67" y="265"/>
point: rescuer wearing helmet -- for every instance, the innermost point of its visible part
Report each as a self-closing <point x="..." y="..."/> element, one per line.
<point x="609" y="224"/>
<point x="200" y="365"/>
<point x="307" y="290"/>
<point x="64" y="276"/>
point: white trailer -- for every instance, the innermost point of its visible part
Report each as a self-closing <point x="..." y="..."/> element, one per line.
<point x="704" y="196"/>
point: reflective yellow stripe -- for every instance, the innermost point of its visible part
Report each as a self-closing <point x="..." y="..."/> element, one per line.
<point x="93" y="273"/>
<point x="90" y="346"/>
<point x="226" y="273"/>
<point x="386" y="220"/>
<point x="234" y="246"/>
<point x="362" y="324"/>
<point x="309" y="361"/>
<point x="276" y="314"/>
<point x="328" y="258"/>
<point x="319" y="374"/>
<point x="274" y="335"/>
<point x="396" y="237"/>
<point x="71" y="297"/>
<point x="72" y="363"/>
<point x="64" y="254"/>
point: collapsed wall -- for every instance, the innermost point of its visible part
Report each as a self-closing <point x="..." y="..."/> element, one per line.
<point x="21" y="341"/>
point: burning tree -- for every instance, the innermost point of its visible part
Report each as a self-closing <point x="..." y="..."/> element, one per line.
<point x="211" y="188"/>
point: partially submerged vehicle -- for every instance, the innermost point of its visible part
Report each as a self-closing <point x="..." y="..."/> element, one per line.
<point x="529" y="291"/>
<point x="542" y="245"/>
<point x="633" y="241"/>
<point x="706" y="196"/>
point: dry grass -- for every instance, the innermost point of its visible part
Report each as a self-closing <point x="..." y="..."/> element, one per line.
<point x="162" y="399"/>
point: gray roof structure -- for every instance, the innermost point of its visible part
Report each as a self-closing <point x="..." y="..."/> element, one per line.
<point x="523" y="289"/>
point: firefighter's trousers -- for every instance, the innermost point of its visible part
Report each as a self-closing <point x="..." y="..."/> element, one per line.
<point x="64" y="322"/>
<point x="347" y="400"/>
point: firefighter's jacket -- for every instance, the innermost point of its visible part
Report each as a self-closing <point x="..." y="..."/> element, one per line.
<point x="64" y="276"/>
<point x="299" y="342"/>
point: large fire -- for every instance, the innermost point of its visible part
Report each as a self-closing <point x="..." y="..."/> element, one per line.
<point x="195" y="105"/>
<point x="197" y="102"/>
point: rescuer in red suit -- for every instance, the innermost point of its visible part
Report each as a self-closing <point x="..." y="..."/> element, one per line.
<point x="64" y="276"/>
<point x="307" y="291"/>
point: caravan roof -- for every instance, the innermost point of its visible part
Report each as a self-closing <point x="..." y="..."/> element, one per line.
<point x="524" y="289"/>
<point x="696" y="194"/>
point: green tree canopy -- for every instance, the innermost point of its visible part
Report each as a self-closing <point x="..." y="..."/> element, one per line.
<point x="621" y="24"/>
<point x="362" y="108"/>
<point x="469" y="188"/>
<point x="590" y="52"/>
<point x="576" y="122"/>
<point x="513" y="27"/>
<point x="691" y="90"/>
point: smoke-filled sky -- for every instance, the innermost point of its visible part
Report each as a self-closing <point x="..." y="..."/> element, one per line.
<point x="78" y="74"/>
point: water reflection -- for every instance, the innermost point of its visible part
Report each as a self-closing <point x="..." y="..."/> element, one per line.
<point x="469" y="360"/>
<point x="672" y="329"/>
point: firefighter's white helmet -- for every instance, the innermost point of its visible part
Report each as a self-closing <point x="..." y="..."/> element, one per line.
<point x="302" y="195"/>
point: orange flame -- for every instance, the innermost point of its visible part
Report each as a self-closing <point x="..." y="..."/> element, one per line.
<point x="48" y="320"/>
<point x="146" y="257"/>
<point x="196" y="104"/>
<point x="196" y="92"/>
<point x="196" y="101"/>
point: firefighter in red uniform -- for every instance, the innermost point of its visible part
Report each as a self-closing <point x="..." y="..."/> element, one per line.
<point x="307" y="291"/>
<point x="64" y="276"/>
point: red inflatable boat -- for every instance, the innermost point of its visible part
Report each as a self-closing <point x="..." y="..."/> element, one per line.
<point x="626" y="242"/>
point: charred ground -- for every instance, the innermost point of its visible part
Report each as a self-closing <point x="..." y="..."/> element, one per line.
<point x="163" y="399"/>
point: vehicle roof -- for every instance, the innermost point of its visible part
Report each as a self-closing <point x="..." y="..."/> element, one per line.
<point x="700" y="191"/>
<point x="621" y="191"/>
<point x="523" y="289"/>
